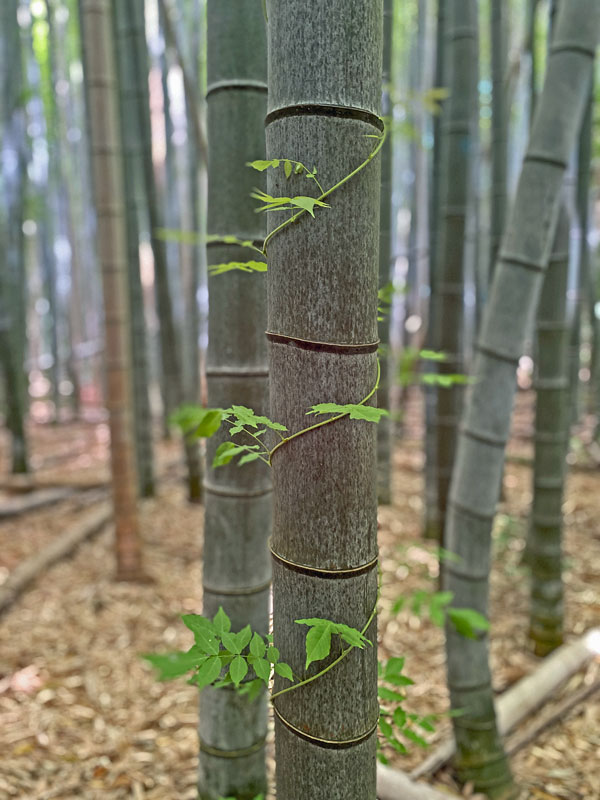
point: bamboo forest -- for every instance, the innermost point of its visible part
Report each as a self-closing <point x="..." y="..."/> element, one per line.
<point x="299" y="400"/>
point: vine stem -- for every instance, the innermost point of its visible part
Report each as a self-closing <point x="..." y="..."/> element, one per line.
<point x="342" y="655"/>
<point x="326" y="421"/>
<point x="336" y="186"/>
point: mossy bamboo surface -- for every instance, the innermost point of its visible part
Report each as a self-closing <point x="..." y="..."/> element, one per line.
<point x="324" y="96"/>
<point x="103" y="114"/>
<point x="237" y="568"/>
<point x="507" y="321"/>
<point x="544" y="555"/>
<point x="134" y="209"/>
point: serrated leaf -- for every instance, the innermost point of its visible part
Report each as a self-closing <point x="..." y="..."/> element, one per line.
<point x="260" y="165"/>
<point x="246" y="416"/>
<point x="468" y="622"/>
<point x="238" y="669"/>
<point x="208" y="672"/>
<point x="287" y="167"/>
<point x="263" y="669"/>
<point x="172" y="665"/>
<point x="221" y="622"/>
<point x="257" y="646"/>
<point x="284" y="670"/>
<point x="318" y="643"/>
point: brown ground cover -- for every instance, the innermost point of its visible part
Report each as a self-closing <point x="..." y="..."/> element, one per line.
<point x="81" y="715"/>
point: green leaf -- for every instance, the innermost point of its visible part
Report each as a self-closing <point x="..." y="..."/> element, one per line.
<point x="393" y="666"/>
<point x="318" y="643"/>
<point x="196" y="622"/>
<point x="238" y="669"/>
<point x="243" y="637"/>
<point x="260" y="165"/>
<point x="426" y="723"/>
<point x="468" y="622"/>
<point x="248" y="458"/>
<point x="272" y="654"/>
<point x="386" y="729"/>
<point x="308" y="203"/>
<point x="230" y="642"/>
<point x="355" y="411"/>
<point x="390" y="695"/>
<point x="251" y="689"/>
<point x="263" y="669"/>
<point x="197" y="421"/>
<point x="400" y="680"/>
<point x="204" y="633"/>
<point x="287" y="166"/>
<point x="257" y="646"/>
<point x="414" y="737"/>
<point x="437" y="607"/>
<point x="221" y="622"/>
<point x="172" y="665"/>
<point x="208" y="672"/>
<point x="400" y="717"/>
<point x="246" y="416"/>
<point x="228" y="450"/>
<point x="432" y="355"/>
<point x="299" y="169"/>
<point x="284" y="670"/>
<point x="351" y="636"/>
<point x="243" y="266"/>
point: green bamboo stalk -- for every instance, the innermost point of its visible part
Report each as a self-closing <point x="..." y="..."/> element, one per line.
<point x="169" y="344"/>
<point x="103" y="114"/>
<point x="530" y="47"/>
<point x="237" y="570"/>
<point x="544" y="555"/>
<point x="484" y="430"/>
<point x="324" y="96"/>
<point x="13" y="340"/>
<point x="384" y="429"/>
<point x="134" y="208"/>
<point x="457" y="152"/>
<point x="499" y="50"/>
<point x="431" y="522"/>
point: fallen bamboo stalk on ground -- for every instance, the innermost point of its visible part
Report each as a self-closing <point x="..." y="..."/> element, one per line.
<point x="395" y="785"/>
<point x="567" y="704"/>
<point x="33" y="500"/>
<point x="527" y="695"/>
<point x="23" y="574"/>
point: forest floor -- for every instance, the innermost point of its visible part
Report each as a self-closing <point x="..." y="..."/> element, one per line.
<point x="81" y="715"/>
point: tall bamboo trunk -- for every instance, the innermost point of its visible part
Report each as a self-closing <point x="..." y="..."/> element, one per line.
<point x="169" y="344"/>
<point x="384" y="429"/>
<point x="507" y="321"/>
<point x="13" y="340"/>
<point x="499" y="42"/>
<point x="100" y="75"/>
<point x="324" y="95"/>
<point x="134" y="208"/>
<point x="457" y="152"/>
<point x="544" y="554"/>
<point x="431" y="523"/>
<point x="237" y="569"/>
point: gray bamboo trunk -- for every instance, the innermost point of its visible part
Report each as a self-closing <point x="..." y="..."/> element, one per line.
<point x="103" y="115"/>
<point x="507" y="321"/>
<point x="13" y="341"/>
<point x="384" y="429"/>
<point x="169" y="344"/>
<point x="431" y="522"/>
<point x="499" y="42"/>
<point x="324" y="95"/>
<point x="134" y="206"/>
<point x="457" y="154"/>
<point x="544" y="555"/>
<point x="237" y="569"/>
